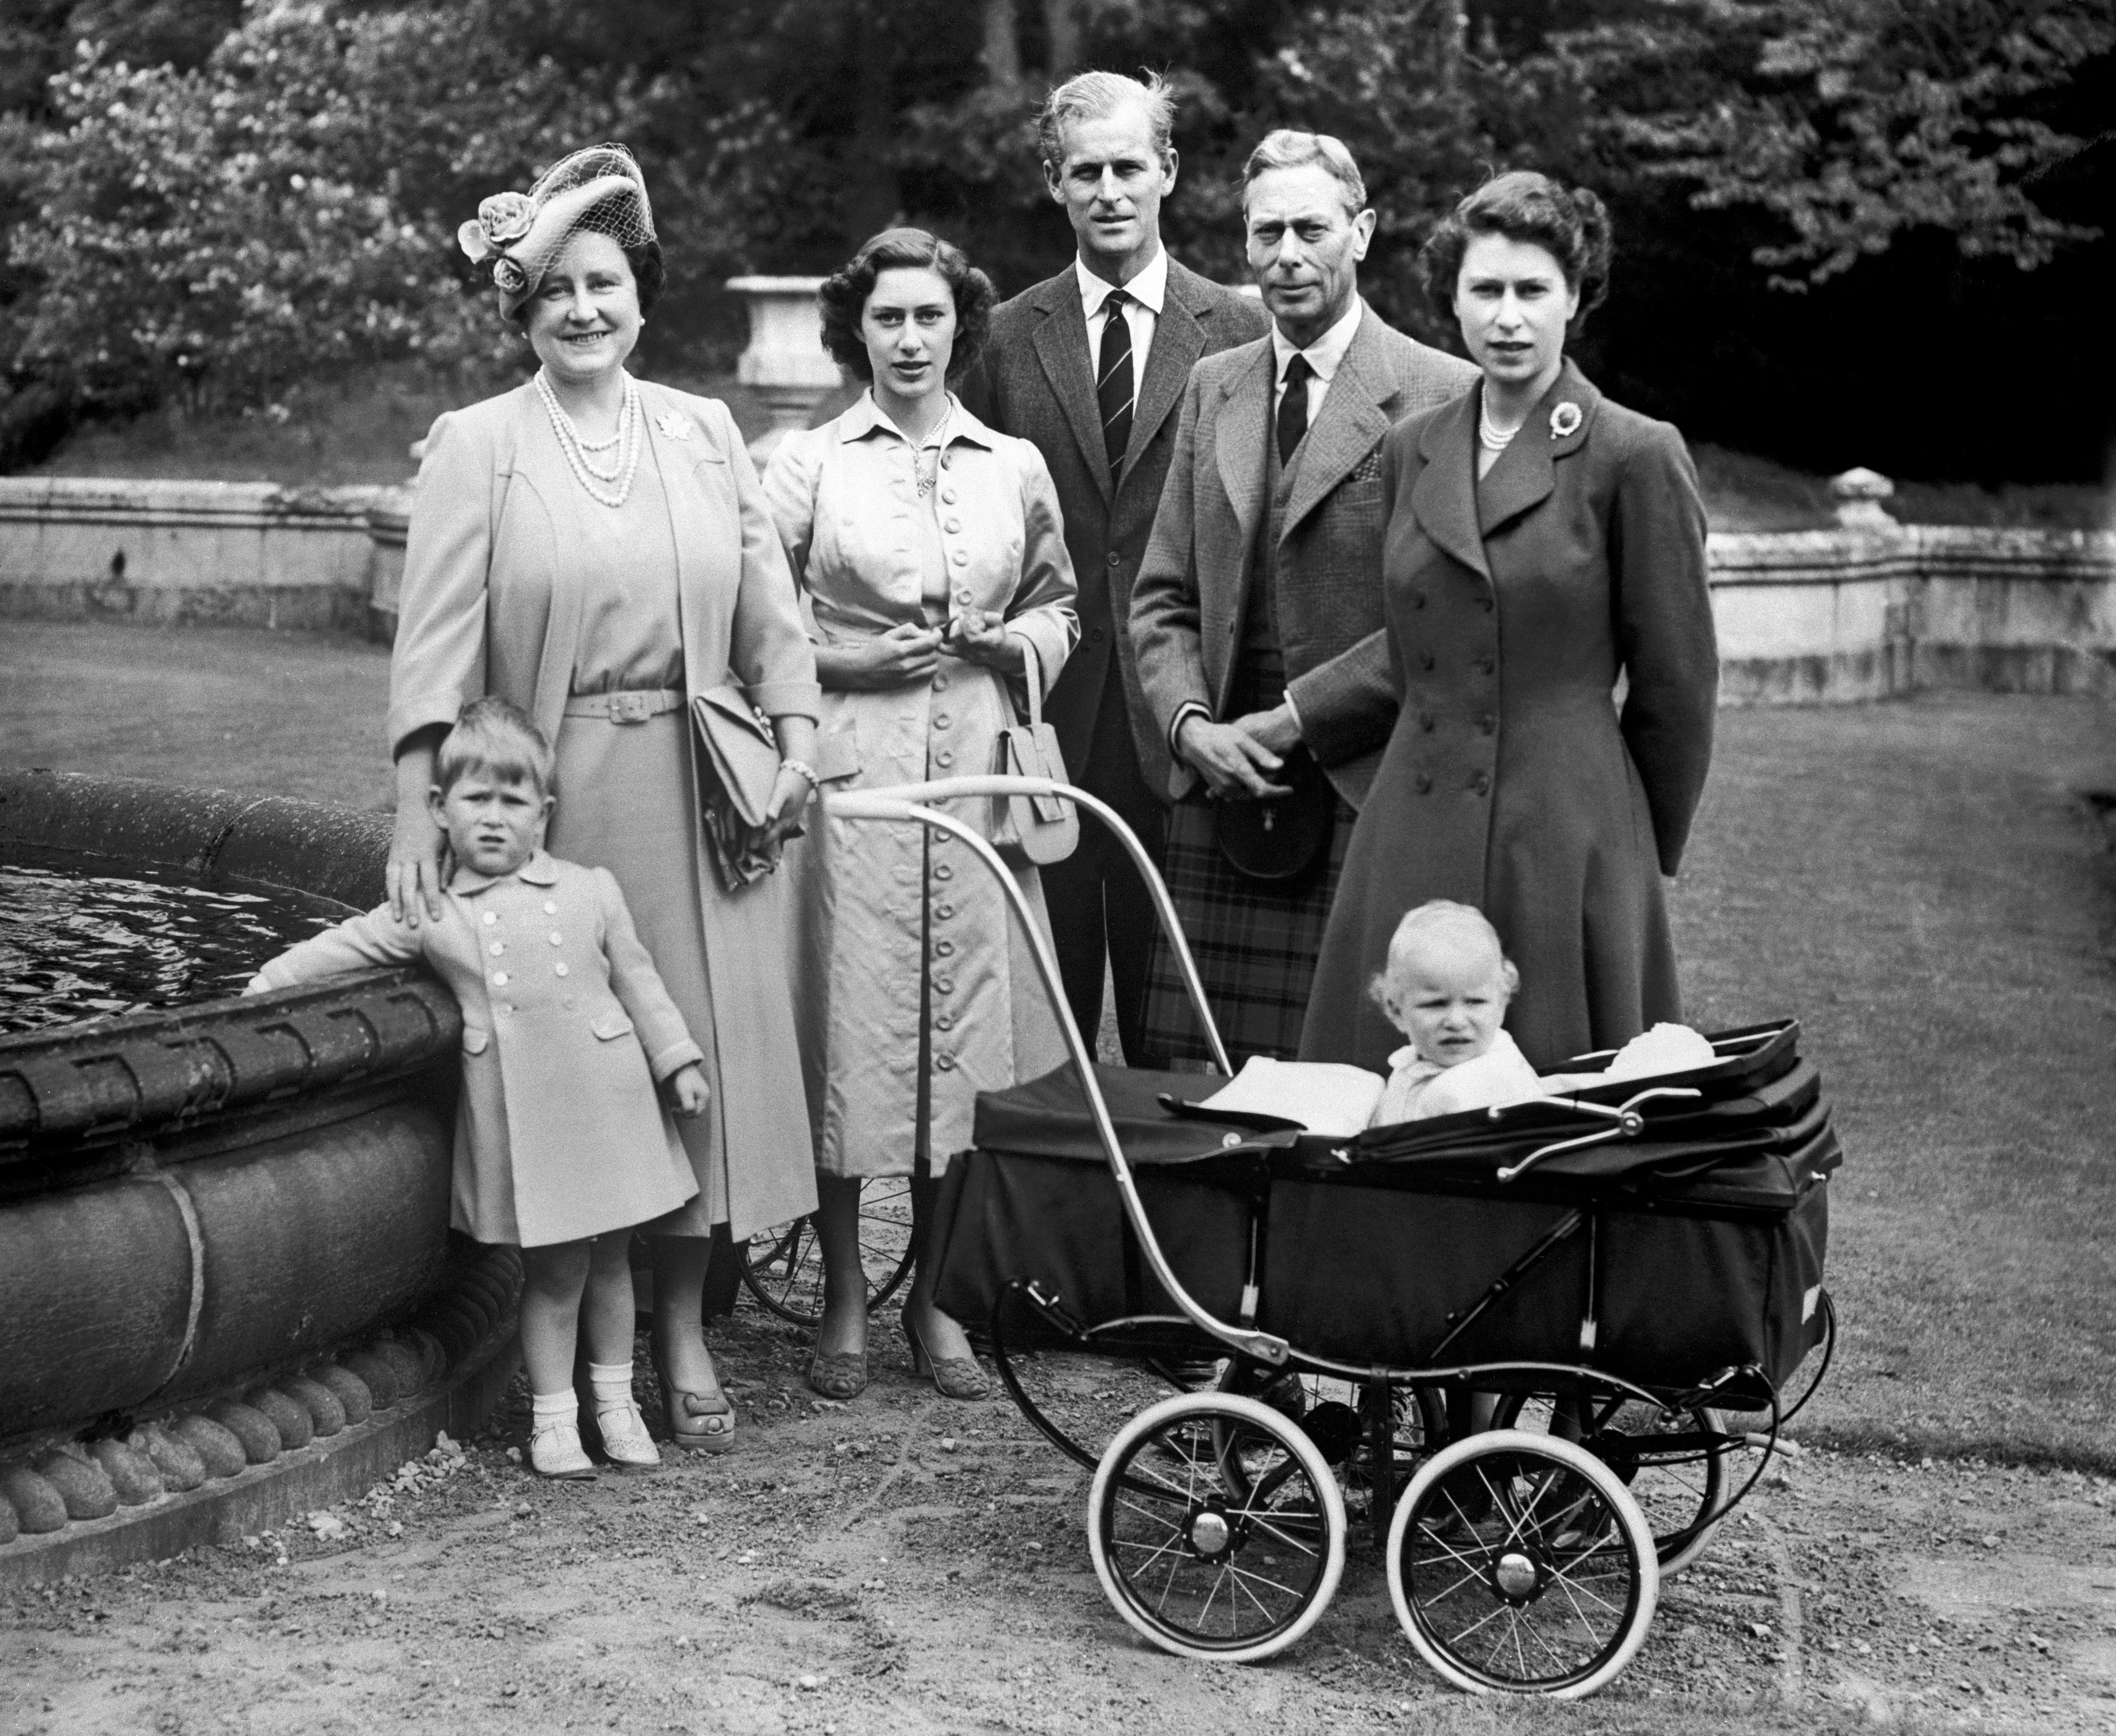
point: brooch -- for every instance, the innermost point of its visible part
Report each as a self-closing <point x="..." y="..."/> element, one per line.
<point x="675" y="427"/>
<point x="1565" y="421"/>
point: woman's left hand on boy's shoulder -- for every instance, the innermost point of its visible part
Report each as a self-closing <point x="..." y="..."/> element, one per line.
<point x="688" y="1092"/>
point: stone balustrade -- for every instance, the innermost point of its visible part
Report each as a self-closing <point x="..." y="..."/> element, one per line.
<point x="1864" y="610"/>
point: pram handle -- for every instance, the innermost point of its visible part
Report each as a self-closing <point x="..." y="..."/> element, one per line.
<point x="904" y="804"/>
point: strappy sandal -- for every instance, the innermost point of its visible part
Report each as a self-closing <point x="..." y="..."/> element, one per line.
<point x="699" y="1422"/>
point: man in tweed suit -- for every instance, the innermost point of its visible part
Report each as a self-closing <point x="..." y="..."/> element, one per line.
<point x="1089" y="366"/>
<point x="1256" y="618"/>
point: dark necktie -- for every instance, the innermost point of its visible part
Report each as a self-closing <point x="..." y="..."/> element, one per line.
<point x="1114" y="391"/>
<point x="1293" y="408"/>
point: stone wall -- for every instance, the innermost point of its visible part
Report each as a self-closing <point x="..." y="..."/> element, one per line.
<point x="235" y="553"/>
<point x="1861" y="611"/>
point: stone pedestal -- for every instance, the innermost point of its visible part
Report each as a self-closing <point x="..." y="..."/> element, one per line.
<point x="785" y="365"/>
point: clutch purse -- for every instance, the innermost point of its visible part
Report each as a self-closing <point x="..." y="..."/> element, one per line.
<point x="1283" y="839"/>
<point x="1033" y="829"/>
<point x="738" y="764"/>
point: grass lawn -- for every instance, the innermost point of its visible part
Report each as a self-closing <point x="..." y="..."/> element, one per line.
<point x="1915" y="880"/>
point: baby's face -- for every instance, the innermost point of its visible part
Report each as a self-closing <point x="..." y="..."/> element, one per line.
<point x="495" y="824"/>
<point x="1451" y="997"/>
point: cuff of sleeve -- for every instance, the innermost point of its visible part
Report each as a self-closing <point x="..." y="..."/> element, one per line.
<point x="1298" y="729"/>
<point x="1190" y="707"/>
<point x="789" y="699"/>
<point x="408" y="717"/>
<point x="674" y="1058"/>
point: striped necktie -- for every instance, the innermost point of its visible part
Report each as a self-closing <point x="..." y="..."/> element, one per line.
<point x="1114" y="392"/>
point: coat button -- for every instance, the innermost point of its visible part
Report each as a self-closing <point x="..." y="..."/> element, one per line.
<point x="497" y="948"/>
<point x="940" y="684"/>
<point x="1485" y="604"/>
<point x="945" y="948"/>
<point x="1095" y="634"/>
<point x="557" y="938"/>
<point x="550" y="907"/>
<point x="944" y="985"/>
<point x="1418" y="599"/>
<point x="1425" y="721"/>
<point x="499" y="979"/>
<point x="965" y="595"/>
<point x="506" y="1008"/>
<point x="1483" y="666"/>
<point x="559" y="969"/>
<point x="944" y="758"/>
<point x="945" y="1022"/>
<point x="1425" y="659"/>
<point x="944" y="911"/>
<point x="945" y="1063"/>
<point x="961" y="556"/>
<point x="1422" y="783"/>
<point x="943" y="872"/>
<point x="940" y="720"/>
<point x="1117" y="560"/>
<point x="948" y="495"/>
<point x="1481" y="784"/>
<point x="492" y="916"/>
<point x="1487" y="724"/>
<point x="953" y="524"/>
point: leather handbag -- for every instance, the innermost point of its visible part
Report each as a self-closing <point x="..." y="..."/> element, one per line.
<point x="1036" y="830"/>
<point x="738" y="765"/>
<point x="1284" y="838"/>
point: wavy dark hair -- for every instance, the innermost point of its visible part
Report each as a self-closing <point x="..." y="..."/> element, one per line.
<point x="1571" y="227"/>
<point x="842" y="297"/>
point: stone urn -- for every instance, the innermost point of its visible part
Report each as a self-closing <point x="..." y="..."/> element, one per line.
<point x="785" y="365"/>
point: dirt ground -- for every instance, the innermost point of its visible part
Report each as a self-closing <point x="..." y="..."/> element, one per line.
<point x="907" y="1564"/>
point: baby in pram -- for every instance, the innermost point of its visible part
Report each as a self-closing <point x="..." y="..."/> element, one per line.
<point x="1445" y="987"/>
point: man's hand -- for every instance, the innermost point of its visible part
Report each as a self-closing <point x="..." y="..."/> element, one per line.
<point x="1278" y="729"/>
<point x="688" y="1093"/>
<point x="1232" y="762"/>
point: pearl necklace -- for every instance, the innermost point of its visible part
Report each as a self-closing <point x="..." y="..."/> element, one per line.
<point x="1489" y="434"/>
<point x="625" y="440"/>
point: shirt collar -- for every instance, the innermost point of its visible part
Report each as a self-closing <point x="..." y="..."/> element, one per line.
<point x="1149" y="288"/>
<point x="538" y="871"/>
<point x="865" y="417"/>
<point x="1327" y="352"/>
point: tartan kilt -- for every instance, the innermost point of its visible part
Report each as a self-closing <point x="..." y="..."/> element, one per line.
<point x="1255" y="943"/>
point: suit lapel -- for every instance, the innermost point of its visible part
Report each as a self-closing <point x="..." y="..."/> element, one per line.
<point x="1526" y="471"/>
<point x="1239" y="436"/>
<point x="675" y="479"/>
<point x="1351" y="426"/>
<point x="1178" y="341"/>
<point x="1061" y="346"/>
<point x="1445" y="495"/>
<point x="539" y="458"/>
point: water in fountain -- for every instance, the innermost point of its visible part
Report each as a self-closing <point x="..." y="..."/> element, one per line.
<point x="85" y="937"/>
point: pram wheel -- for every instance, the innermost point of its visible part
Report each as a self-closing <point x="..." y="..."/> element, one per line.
<point x="783" y="1267"/>
<point x="1518" y="1563"/>
<point x="1674" y="1464"/>
<point x="1206" y="1564"/>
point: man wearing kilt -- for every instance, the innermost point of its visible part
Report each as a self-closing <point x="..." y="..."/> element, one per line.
<point x="1256" y="616"/>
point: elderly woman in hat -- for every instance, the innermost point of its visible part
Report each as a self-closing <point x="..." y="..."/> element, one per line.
<point x="596" y="549"/>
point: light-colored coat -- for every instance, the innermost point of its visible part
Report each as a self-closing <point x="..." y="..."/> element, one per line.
<point x="878" y="935"/>
<point x="490" y="608"/>
<point x="1512" y="781"/>
<point x="1188" y="600"/>
<point x="566" y="1029"/>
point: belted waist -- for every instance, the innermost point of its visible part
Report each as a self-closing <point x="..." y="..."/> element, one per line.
<point x="625" y="708"/>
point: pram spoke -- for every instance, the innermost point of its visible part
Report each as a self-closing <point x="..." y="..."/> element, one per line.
<point x="1199" y="1566"/>
<point x="1519" y="1563"/>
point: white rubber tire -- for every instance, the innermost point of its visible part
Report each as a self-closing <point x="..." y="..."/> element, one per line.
<point x="1638" y="1540"/>
<point x="1204" y="1406"/>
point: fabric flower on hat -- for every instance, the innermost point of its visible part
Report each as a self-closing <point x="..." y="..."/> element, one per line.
<point x="508" y="277"/>
<point x="506" y="217"/>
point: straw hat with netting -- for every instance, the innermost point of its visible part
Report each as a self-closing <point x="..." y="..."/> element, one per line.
<point x="599" y="189"/>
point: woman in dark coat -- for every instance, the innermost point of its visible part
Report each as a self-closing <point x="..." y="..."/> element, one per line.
<point x="1542" y="542"/>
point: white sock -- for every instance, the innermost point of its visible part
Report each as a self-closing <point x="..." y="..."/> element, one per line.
<point x="553" y="1410"/>
<point x="612" y="1382"/>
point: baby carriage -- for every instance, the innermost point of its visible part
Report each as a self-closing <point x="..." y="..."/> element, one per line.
<point x="1544" y="1349"/>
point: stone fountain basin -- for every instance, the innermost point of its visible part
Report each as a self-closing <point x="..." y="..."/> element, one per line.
<point x="197" y="1202"/>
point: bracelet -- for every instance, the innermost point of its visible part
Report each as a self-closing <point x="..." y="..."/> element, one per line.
<point x="806" y="770"/>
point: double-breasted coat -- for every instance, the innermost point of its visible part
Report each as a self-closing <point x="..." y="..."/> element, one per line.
<point x="1193" y="591"/>
<point x="1512" y="781"/>
<point x="566" y="1028"/>
<point x="916" y="986"/>
<point x="496" y="600"/>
